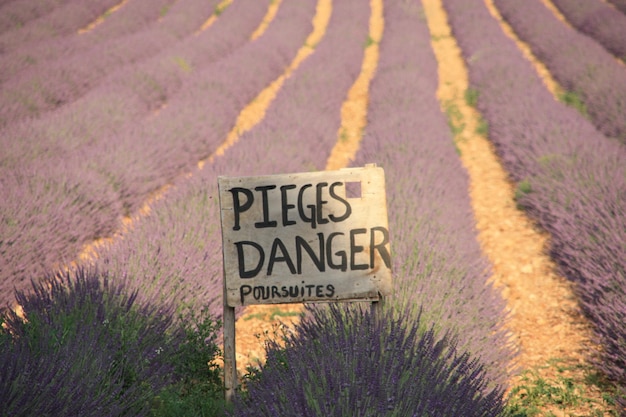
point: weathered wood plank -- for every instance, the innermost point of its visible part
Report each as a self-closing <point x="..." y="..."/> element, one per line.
<point x="304" y="237"/>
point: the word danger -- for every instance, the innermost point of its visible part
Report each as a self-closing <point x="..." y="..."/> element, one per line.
<point x="320" y="251"/>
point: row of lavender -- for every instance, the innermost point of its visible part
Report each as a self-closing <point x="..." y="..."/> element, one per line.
<point x="574" y="177"/>
<point x="69" y="177"/>
<point x="599" y="20"/>
<point x="32" y="21"/>
<point x="577" y="62"/>
<point x="47" y="75"/>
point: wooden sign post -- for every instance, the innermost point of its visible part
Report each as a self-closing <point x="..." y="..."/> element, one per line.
<point x="306" y="237"/>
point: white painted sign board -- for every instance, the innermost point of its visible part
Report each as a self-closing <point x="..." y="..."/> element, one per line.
<point x="304" y="237"/>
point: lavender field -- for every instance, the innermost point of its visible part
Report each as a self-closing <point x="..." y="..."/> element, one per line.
<point x="112" y="136"/>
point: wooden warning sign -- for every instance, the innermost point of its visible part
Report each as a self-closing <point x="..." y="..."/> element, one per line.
<point x="305" y="237"/>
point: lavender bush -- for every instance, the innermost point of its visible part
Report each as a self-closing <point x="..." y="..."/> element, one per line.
<point x="346" y="363"/>
<point x="598" y="20"/>
<point x="86" y="348"/>
<point x="586" y="219"/>
<point x="574" y="175"/>
<point x="579" y="64"/>
<point x="46" y="216"/>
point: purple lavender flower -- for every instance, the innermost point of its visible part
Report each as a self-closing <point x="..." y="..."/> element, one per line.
<point x="346" y="362"/>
